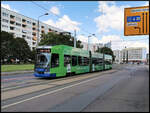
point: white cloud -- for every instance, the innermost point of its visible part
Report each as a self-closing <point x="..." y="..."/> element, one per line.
<point x="92" y="39"/>
<point x="146" y="3"/>
<point x="55" y="10"/>
<point x="112" y="16"/>
<point x="82" y="38"/>
<point x="64" y="23"/>
<point x="8" y="7"/>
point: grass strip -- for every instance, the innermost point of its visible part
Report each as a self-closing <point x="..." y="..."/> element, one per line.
<point x="16" y="67"/>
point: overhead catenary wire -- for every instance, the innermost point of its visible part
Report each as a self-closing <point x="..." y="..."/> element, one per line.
<point x="80" y="27"/>
<point x="59" y="16"/>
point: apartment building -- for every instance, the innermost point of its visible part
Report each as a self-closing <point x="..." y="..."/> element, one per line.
<point x="25" y="27"/>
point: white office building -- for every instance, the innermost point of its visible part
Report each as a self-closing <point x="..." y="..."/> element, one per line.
<point x="134" y="54"/>
<point x="25" y="27"/>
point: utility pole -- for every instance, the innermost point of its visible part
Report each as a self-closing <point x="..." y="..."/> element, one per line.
<point x="127" y="57"/>
<point x="88" y="42"/>
<point x="38" y="38"/>
<point x="38" y="33"/>
<point x="74" y="38"/>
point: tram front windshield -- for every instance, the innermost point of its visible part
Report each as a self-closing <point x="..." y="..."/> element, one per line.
<point x="43" y="59"/>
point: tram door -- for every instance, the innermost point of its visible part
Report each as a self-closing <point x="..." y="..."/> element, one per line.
<point x="67" y="63"/>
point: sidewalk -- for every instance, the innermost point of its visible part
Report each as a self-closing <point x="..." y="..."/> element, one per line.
<point x="16" y="72"/>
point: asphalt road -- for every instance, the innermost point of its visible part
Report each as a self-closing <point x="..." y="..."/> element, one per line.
<point x="124" y="88"/>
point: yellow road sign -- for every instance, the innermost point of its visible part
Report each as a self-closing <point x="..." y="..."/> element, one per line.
<point x="136" y="21"/>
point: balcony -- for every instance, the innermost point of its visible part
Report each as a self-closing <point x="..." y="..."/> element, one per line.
<point x="12" y="28"/>
<point x="12" y="20"/>
<point x="49" y="30"/>
<point x="24" y="23"/>
<point x="34" y="27"/>
<point x="34" y="38"/>
<point x="42" y="31"/>
<point x="34" y="24"/>
<point x="24" y="31"/>
<point x="33" y="43"/>
<point x="12" y="16"/>
<point x="34" y="33"/>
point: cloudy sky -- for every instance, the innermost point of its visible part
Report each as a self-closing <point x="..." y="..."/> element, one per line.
<point x="105" y="19"/>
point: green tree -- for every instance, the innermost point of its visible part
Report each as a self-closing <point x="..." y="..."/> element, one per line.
<point x="106" y="50"/>
<point x="21" y="49"/>
<point x="14" y="48"/>
<point x="59" y="39"/>
<point x="6" y="42"/>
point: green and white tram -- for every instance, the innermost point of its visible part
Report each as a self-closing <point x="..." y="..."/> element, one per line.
<point x="62" y="60"/>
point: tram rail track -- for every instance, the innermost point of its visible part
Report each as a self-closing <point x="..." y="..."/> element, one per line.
<point x="50" y="81"/>
<point x="34" y="82"/>
<point x="14" y="92"/>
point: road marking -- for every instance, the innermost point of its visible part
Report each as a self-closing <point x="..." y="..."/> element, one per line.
<point x="6" y="106"/>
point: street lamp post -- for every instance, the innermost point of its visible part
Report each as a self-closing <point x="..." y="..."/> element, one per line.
<point x="75" y="38"/>
<point x="38" y="28"/>
<point x="89" y="40"/>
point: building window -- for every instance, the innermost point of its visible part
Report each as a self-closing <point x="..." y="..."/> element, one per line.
<point x="12" y="16"/>
<point x="17" y="29"/>
<point x="28" y="22"/>
<point x="23" y="36"/>
<point x="33" y="23"/>
<point x="5" y="20"/>
<point x="5" y="14"/>
<point x="4" y="26"/>
<point x="12" y="22"/>
<point x="24" y="31"/>
<point x="12" y="28"/>
<point x="28" y="37"/>
<point x="23" y="20"/>
<point x="18" y="24"/>
<point x="18" y="19"/>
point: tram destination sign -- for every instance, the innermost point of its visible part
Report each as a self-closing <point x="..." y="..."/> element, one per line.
<point x="136" y="21"/>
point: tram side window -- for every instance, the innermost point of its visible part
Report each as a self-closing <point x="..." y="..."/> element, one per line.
<point x="67" y="60"/>
<point x="107" y="62"/>
<point x="85" y="61"/>
<point x="55" y="60"/>
<point x="74" y="60"/>
<point x="79" y="60"/>
<point x="100" y="61"/>
<point x="94" y="61"/>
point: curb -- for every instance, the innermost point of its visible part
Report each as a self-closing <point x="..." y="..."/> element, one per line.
<point x="16" y="72"/>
